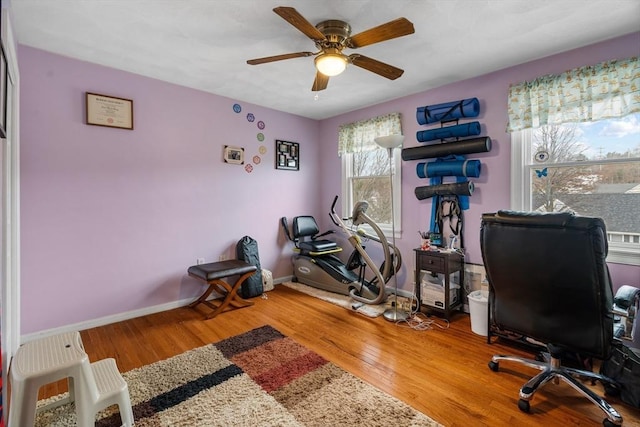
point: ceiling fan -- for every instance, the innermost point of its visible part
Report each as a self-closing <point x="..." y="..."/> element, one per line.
<point x="332" y="37"/>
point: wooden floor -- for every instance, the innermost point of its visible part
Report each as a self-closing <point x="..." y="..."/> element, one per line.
<point x="441" y="372"/>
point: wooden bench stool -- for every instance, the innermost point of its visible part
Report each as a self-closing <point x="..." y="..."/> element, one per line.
<point x="213" y="273"/>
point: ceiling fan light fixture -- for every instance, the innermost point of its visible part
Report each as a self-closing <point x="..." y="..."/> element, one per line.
<point x="331" y="37"/>
<point x="331" y="63"/>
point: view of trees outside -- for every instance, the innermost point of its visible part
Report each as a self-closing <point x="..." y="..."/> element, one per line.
<point x="371" y="183"/>
<point x="592" y="169"/>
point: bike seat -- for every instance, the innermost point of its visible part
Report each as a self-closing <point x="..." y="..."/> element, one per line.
<point x="305" y="230"/>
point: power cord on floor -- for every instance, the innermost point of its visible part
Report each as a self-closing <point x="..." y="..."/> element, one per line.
<point x="419" y="321"/>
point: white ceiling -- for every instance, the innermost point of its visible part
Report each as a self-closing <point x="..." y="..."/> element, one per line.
<point x="204" y="44"/>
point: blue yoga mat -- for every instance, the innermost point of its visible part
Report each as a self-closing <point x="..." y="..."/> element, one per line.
<point x="457" y="131"/>
<point x="448" y="111"/>
<point x="466" y="168"/>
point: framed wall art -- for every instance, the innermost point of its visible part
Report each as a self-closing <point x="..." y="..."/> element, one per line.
<point x="104" y="110"/>
<point x="287" y="155"/>
<point x="233" y="155"/>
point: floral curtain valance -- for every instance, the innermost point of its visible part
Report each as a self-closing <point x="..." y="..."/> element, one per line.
<point x="359" y="136"/>
<point x="606" y="90"/>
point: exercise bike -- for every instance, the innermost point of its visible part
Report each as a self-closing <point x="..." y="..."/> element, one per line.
<point x="316" y="263"/>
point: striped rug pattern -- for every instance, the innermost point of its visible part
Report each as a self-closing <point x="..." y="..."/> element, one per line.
<point x="258" y="378"/>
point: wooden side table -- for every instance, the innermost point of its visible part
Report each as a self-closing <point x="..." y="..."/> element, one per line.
<point x="445" y="263"/>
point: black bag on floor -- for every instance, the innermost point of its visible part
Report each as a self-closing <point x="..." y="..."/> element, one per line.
<point x="247" y="250"/>
<point x="624" y="367"/>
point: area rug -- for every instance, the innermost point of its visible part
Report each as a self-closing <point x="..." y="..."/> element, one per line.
<point x="258" y="378"/>
<point x="345" y="301"/>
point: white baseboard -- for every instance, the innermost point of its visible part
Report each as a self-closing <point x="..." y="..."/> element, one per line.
<point x="94" y="323"/>
<point x="101" y="321"/>
<point x="119" y="317"/>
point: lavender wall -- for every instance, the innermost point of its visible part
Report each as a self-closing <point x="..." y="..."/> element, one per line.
<point x="112" y="218"/>
<point x="492" y="191"/>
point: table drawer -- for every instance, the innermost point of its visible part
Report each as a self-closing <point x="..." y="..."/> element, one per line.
<point x="432" y="263"/>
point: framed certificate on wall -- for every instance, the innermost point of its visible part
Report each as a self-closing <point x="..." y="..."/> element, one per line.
<point x="104" y="110"/>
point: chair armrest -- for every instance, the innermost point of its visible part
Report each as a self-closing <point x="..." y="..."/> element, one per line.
<point x="317" y="236"/>
<point x="285" y="226"/>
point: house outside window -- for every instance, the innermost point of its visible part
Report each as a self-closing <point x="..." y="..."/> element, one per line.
<point x="366" y="169"/>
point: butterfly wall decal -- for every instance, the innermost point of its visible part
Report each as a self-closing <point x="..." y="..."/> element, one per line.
<point x="541" y="173"/>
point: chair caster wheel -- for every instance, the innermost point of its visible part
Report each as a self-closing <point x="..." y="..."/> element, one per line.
<point x="493" y="366"/>
<point x="524" y="405"/>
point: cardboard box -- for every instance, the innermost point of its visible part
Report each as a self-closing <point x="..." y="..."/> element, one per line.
<point x="428" y="278"/>
<point x="434" y="295"/>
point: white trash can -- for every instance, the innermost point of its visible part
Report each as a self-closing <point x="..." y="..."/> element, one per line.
<point x="479" y="311"/>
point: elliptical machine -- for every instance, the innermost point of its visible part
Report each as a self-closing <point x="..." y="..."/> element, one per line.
<point x="316" y="263"/>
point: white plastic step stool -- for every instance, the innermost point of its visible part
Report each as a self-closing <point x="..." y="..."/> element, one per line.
<point x="93" y="386"/>
<point x="41" y="362"/>
<point x="102" y="387"/>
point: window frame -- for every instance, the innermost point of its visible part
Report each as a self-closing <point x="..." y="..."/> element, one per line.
<point x="346" y="160"/>
<point x="521" y="165"/>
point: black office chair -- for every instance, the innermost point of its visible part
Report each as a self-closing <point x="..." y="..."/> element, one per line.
<point x="549" y="281"/>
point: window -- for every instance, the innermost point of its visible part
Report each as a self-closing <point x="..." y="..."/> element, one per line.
<point x="576" y="146"/>
<point x="366" y="167"/>
<point x="365" y="176"/>
<point x="590" y="168"/>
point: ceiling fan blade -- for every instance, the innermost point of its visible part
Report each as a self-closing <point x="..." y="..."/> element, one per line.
<point x="320" y="83"/>
<point x="392" y="29"/>
<point x="278" y="57"/>
<point x="375" y="66"/>
<point x="292" y="16"/>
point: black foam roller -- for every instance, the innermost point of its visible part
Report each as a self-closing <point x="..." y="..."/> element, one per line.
<point x="466" y="146"/>
<point x="464" y="188"/>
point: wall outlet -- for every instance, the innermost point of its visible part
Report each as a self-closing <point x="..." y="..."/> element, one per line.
<point x="199" y="261"/>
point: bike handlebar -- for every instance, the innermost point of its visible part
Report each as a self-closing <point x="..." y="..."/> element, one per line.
<point x="333" y="211"/>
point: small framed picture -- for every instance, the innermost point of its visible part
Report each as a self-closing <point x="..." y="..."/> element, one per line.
<point x="287" y="155"/>
<point x="233" y="155"/>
